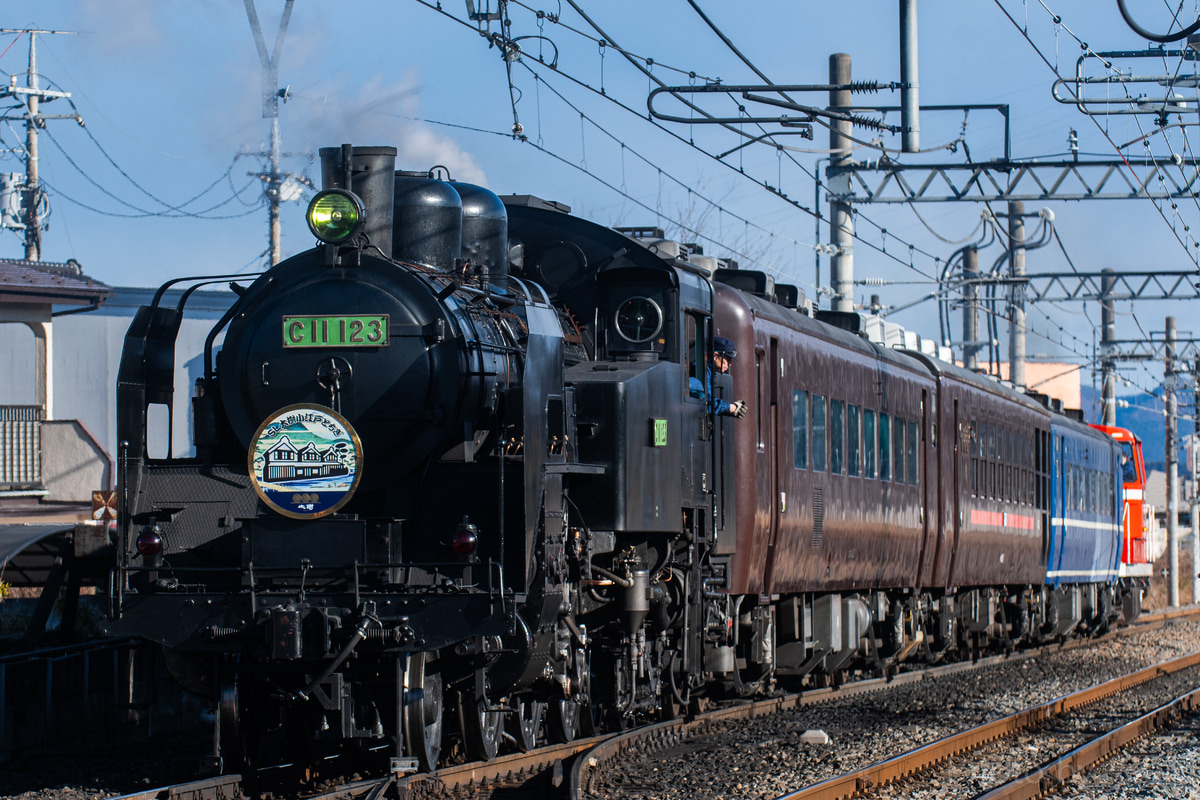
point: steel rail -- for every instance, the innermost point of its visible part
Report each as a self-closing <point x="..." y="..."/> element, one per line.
<point x="222" y="787"/>
<point x="512" y="769"/>
<point x="1036" y="782"/>
<point x="884" y="772"/>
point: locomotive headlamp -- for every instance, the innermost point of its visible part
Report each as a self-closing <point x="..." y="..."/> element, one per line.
<point x="335" y="215"/>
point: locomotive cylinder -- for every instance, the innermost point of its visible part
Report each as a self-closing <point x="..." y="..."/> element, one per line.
<point x="369" y="172"/>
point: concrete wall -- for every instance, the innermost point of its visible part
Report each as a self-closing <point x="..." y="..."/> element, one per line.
<point x="87" y="354"/>
<point x="74" y="464"/>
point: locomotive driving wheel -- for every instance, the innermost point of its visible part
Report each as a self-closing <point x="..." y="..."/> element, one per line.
<point x="525" y="723"/>
<point x="482" y="729"/>
<point x="229" y="729"/>
<point x="568" y="719"/>
<point x="563" y="721"/>
<point x="423" y="712"/>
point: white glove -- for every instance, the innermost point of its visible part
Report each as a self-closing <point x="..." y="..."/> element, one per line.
<point x="737" y="409"/>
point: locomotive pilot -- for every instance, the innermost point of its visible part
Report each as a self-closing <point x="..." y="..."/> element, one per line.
<point x="724" y="354"/>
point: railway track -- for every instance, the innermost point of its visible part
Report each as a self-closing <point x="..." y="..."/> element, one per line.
<point x="571" y="770"/>
<point x="588" y="773"/>
<point x="1064" y="726"/>
<point x="539" y="772"/>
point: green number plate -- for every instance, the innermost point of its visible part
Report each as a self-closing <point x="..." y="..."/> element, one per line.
<point x="366" y="330"/>
<point x="660" y="432"/>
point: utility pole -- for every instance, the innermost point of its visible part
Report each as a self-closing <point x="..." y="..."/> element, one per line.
<point x="841" y="219"/>
<point x="272" y="179"/>
<point x="1016" y="335"/>
<point x="1108" y="365"/>
<point x="1172" y="470"/>
<point x="31" y="95"/>
<point x="910" y="103"/>
<point x="970" y="270"/>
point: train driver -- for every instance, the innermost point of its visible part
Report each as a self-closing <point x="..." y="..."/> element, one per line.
<point x="1128" y="473"/>
<point x="724" y="354"/>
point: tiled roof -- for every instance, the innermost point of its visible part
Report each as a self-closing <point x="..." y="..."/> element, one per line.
<point x="44" y="281"/>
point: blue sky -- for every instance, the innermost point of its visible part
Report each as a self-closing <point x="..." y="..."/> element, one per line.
<point x="170" y="91"/>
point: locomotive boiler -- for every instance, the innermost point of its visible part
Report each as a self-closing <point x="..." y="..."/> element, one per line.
<point x="453" y="490"/>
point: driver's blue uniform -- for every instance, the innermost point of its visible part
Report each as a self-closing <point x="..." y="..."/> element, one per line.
<point x="715" y="404"/>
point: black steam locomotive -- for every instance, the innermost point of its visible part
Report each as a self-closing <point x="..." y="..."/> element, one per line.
<point x="454" y="487"/>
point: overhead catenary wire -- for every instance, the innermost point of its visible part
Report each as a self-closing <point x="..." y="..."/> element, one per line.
<point x="171" y="210"/>
<point x="623" y="193"/>
<point x="626" y="147"/>
<point x="1195" y="258"/>
<point x="882" y="231"/>
<point x="643" y="67"/>
<point x="1162" y="38"/>
<point x="203" y="213"/>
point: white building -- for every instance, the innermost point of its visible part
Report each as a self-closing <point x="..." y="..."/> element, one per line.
<point x="66" y="381"/>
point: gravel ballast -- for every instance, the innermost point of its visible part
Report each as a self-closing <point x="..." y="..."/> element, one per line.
<point x="765" y="758"/>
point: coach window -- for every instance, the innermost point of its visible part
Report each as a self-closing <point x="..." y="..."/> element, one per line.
<point x="897" y="450"/>
<point x="1019" y="467"/>
<point x="1041" y="455"/>
<point x="1023" y="448"/>
<point x="1074" y="488"/>
<point x="1085" y="494"/>
<point x="1010" y="459"/>
<point x="800" y="429"/>
<point x="991" y="449"/>
<point x="852" y="448"/>
<point x="999" y="464"/>
<point x="1008" y="468"/>
<point x="868" y="443"/>
<point x="1035" y="468"/>
<point x="983" y="460"/>
<point x="914" y="476"/>
<point x="837" y="437"/>
<point x="1069" y="489"/>
<point x="973" y="437"/>
<point x="818" y="433"/>
<point x="885" y="447"/>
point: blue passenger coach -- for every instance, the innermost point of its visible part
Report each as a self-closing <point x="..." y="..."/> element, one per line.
<point x="1085" y="506"/>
